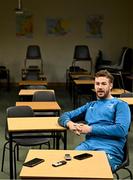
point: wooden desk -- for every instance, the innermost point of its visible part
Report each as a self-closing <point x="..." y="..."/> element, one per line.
<point x="96" y="167"/>
<point x="33" y="82"/>
<point x="76" y="85"/>
<point x="25" y="93"/>
<point x="76" y="76"/>
<point x="41" y="106"/>
<point x="30" y="92"/>
<point x="34" y="124"/>
<point x="116" y="91"/>
<point x="79" y="73"/>
<point x="129" y="100"/>
<point x="83" y="81"/>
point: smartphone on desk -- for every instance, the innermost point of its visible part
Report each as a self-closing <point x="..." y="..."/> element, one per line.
<point x="33" y="162"/>
<point x="82" y="156"/>
<point x="59" y="163"/>
<point x="67" y="157"/>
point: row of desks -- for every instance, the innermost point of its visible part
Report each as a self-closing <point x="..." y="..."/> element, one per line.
<point x="54" y="105"/>
<point x="75" y="83"/>
<point x="88" y="82"/>
<point x="35" y="124"/>
<point x="47" y="124"/>
<point x="87" y="169"/>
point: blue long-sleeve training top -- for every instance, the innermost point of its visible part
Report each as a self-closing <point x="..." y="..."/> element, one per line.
<point x="110" y="121"/>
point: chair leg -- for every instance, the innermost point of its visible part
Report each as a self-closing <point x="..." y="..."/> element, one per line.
<point x="15" y="169"/>
<point x="130" y="173"/>
<point x="3" y="156"/>
<point x="53" y="134"/>
<point x="17" y="152"/>
<point x="122" y="81"/>
<point x="131" y="176"/>
<point x="49" y="145"/>
<point x="117" y="176"/>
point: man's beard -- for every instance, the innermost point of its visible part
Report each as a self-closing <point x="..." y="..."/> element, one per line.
<point x="104" y="94"/>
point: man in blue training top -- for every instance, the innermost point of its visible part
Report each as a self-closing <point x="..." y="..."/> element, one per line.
<point x="107" y="121"/>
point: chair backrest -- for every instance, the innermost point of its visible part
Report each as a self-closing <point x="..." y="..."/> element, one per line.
<point x="81" y="52"/>
<point x="100" y="61"/>
<point x="124" y="165"/>
<point x="3" y="72"/>
<point x="33" y="52"/>
<point x="129" y="94"/>
<point x="20" y="111"/>
<point x="126" y="58"/>
<point x="47" y="95"/>
<point x="125" y="158"/>
<point x="36" y="87"/>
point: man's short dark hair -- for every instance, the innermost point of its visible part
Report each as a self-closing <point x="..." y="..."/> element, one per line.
<point x="105" y="73"/>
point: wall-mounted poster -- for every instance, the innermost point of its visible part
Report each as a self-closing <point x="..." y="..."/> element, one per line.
<point x="94" y="26"/>
<point x="57" y="26"/>
<point x="24" y="25"/>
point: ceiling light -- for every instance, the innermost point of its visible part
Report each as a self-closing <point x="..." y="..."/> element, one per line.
<point x="19" y="9"/>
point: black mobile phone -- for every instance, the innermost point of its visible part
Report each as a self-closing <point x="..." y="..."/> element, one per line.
<point x="59" y="163"/>
<point x="67" y="157"/>
<point x="82" y="156"/>
<point x="33" y="162"/>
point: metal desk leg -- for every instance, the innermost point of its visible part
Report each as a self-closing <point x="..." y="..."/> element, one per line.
<point x="75" y="95"/>
<point x="11" y="156"/>
<point x="57" y="140"/>
<point x="65" y="140"/>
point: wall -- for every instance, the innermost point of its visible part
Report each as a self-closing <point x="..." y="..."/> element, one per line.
<point x="57" y="52"/>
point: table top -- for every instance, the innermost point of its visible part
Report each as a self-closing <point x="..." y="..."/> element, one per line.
<point x="33" y="82"/>
<point x="116" y="91"/>
<point x="27" y="92"/>
<point x="33" y="124"/>
<point x="96" y="167"/>
<point x="83" y="81"/>
<point x="49" y="105"/>
<point x="76" y="76"/>
<point x="79" y="73"/>
<point x="129" y="100"/>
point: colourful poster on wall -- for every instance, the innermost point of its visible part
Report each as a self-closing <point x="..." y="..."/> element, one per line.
<point x="94" y="26"/>
<point x="57" y="26"/>
<point x="24" y="25"/>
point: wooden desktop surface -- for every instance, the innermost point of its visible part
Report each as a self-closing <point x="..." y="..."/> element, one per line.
<point x="76" y="76"/>
<point x="27" y="92"/>
<point x="33" y="82"/>
<point x="96" y="167"/>
<point x="50" y="105"/>
<point x="116" y="91"/>
<point x="129" y="100"/>
<point x="33" y="124"/>
<point x="79" y="73"/>
<point x="83" y="81"/>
